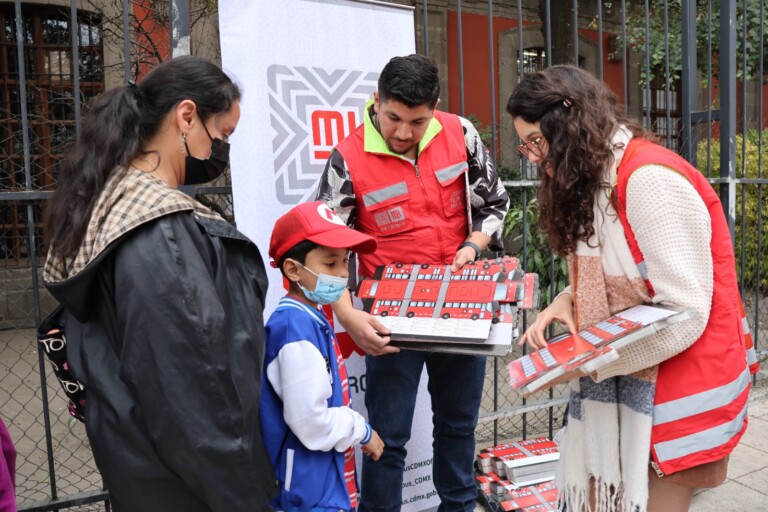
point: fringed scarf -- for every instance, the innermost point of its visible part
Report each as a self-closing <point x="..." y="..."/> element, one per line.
<point x="606" y="447"/>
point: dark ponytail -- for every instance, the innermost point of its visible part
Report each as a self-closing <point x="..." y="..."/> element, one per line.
<point x="116" y="130"/>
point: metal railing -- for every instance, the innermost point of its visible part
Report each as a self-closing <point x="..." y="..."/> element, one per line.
<point x="55" y="467"/>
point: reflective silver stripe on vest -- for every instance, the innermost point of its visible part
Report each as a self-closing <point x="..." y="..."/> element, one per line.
<point x="745" y="325"/>
<point x="643" y="270"/>
<point x="446" y="174"/>
<point x="700" y="441"/>
<point x="701" y="402"/>
<point x="751" y="356"/>
<point x="383" y="194"/>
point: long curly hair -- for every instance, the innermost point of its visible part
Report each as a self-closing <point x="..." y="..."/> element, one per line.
<point x="578" y="116"/>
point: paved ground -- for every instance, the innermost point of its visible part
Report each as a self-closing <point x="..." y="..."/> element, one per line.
<point x="747" y="485"/>
<point x="746" y="488"/>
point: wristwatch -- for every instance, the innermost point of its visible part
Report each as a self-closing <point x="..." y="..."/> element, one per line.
<point x="472" y="245"/>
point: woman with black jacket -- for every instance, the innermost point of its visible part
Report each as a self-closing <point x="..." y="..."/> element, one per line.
<point x="163" y="297"/>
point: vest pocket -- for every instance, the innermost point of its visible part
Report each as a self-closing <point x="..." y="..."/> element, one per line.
<point x="453" y="189"/>
<point x="388" y="209"/>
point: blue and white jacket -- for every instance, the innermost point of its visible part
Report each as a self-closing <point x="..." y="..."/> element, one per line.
<point x="305" y="425"/>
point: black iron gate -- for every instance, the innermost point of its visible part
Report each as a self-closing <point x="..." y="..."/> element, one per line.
<point x="693" y="71"/>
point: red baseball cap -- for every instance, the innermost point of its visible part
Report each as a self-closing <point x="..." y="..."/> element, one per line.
<point x="316" y="222"/>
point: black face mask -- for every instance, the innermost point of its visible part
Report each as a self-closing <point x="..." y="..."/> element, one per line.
<point x="202" y="171"/>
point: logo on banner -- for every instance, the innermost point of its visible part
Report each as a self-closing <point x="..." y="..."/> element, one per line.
<point x="311" y="110"/>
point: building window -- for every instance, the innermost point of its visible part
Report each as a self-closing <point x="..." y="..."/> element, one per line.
<point x="534" y="59"/>
<point x="50" y="108"/>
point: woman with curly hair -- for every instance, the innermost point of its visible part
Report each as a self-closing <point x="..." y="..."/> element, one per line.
<point x="637" y="224"/>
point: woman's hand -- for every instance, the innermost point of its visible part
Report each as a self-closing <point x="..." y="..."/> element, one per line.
<point x="561" y="310"/>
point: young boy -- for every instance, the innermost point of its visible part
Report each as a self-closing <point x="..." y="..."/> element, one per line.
<point x="308" y="427"/>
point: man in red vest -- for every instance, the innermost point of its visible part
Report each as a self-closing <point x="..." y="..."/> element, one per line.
<point x="405" y="177"/>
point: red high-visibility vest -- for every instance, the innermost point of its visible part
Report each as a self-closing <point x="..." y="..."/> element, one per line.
<point x="700" y="406"/>
<point x="417" y="213"/>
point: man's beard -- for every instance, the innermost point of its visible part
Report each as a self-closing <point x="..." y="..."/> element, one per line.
<point x="410" y="145"/>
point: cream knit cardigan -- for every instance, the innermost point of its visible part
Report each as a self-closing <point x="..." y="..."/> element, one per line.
<point x="606" y="445"/>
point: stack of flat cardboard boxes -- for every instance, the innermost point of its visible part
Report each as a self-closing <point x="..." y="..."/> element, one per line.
<point x="519" y="476"/>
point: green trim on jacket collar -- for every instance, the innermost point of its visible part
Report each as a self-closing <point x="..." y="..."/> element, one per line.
<point x="375" y="143"/>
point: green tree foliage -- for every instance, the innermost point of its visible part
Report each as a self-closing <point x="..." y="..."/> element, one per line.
<point x="707" y="31"/>
<point x="539" y="258"/>
<point x="485" y="131"/>
<point x="751" y="204"/>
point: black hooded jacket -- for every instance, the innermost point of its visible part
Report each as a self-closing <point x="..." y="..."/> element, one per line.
<point x="164" y="324"/>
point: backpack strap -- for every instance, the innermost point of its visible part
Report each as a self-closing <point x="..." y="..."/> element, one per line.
<point x="52" y="340"/>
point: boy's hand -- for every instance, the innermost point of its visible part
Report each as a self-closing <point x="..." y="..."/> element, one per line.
<point x="374" y="447"/>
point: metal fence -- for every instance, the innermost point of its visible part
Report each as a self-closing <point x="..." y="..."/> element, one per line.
<point x="695" y="74"/>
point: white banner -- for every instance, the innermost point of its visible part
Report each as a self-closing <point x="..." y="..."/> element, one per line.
<point x="307" y="67"/>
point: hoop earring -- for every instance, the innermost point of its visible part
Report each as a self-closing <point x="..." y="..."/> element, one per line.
<point x="184" y="144"/>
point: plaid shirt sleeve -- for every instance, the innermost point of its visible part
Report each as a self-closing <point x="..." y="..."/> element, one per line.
<point x="488" y="196"/>
<point x="335" y="188"/>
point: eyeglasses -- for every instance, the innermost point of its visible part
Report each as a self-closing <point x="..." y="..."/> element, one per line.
<point x="532" y="147"/>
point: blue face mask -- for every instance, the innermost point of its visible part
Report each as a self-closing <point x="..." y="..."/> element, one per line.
<point x="328" y="289"/>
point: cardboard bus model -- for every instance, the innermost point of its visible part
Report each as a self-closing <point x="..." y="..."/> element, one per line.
<point x="429" y="303"/>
